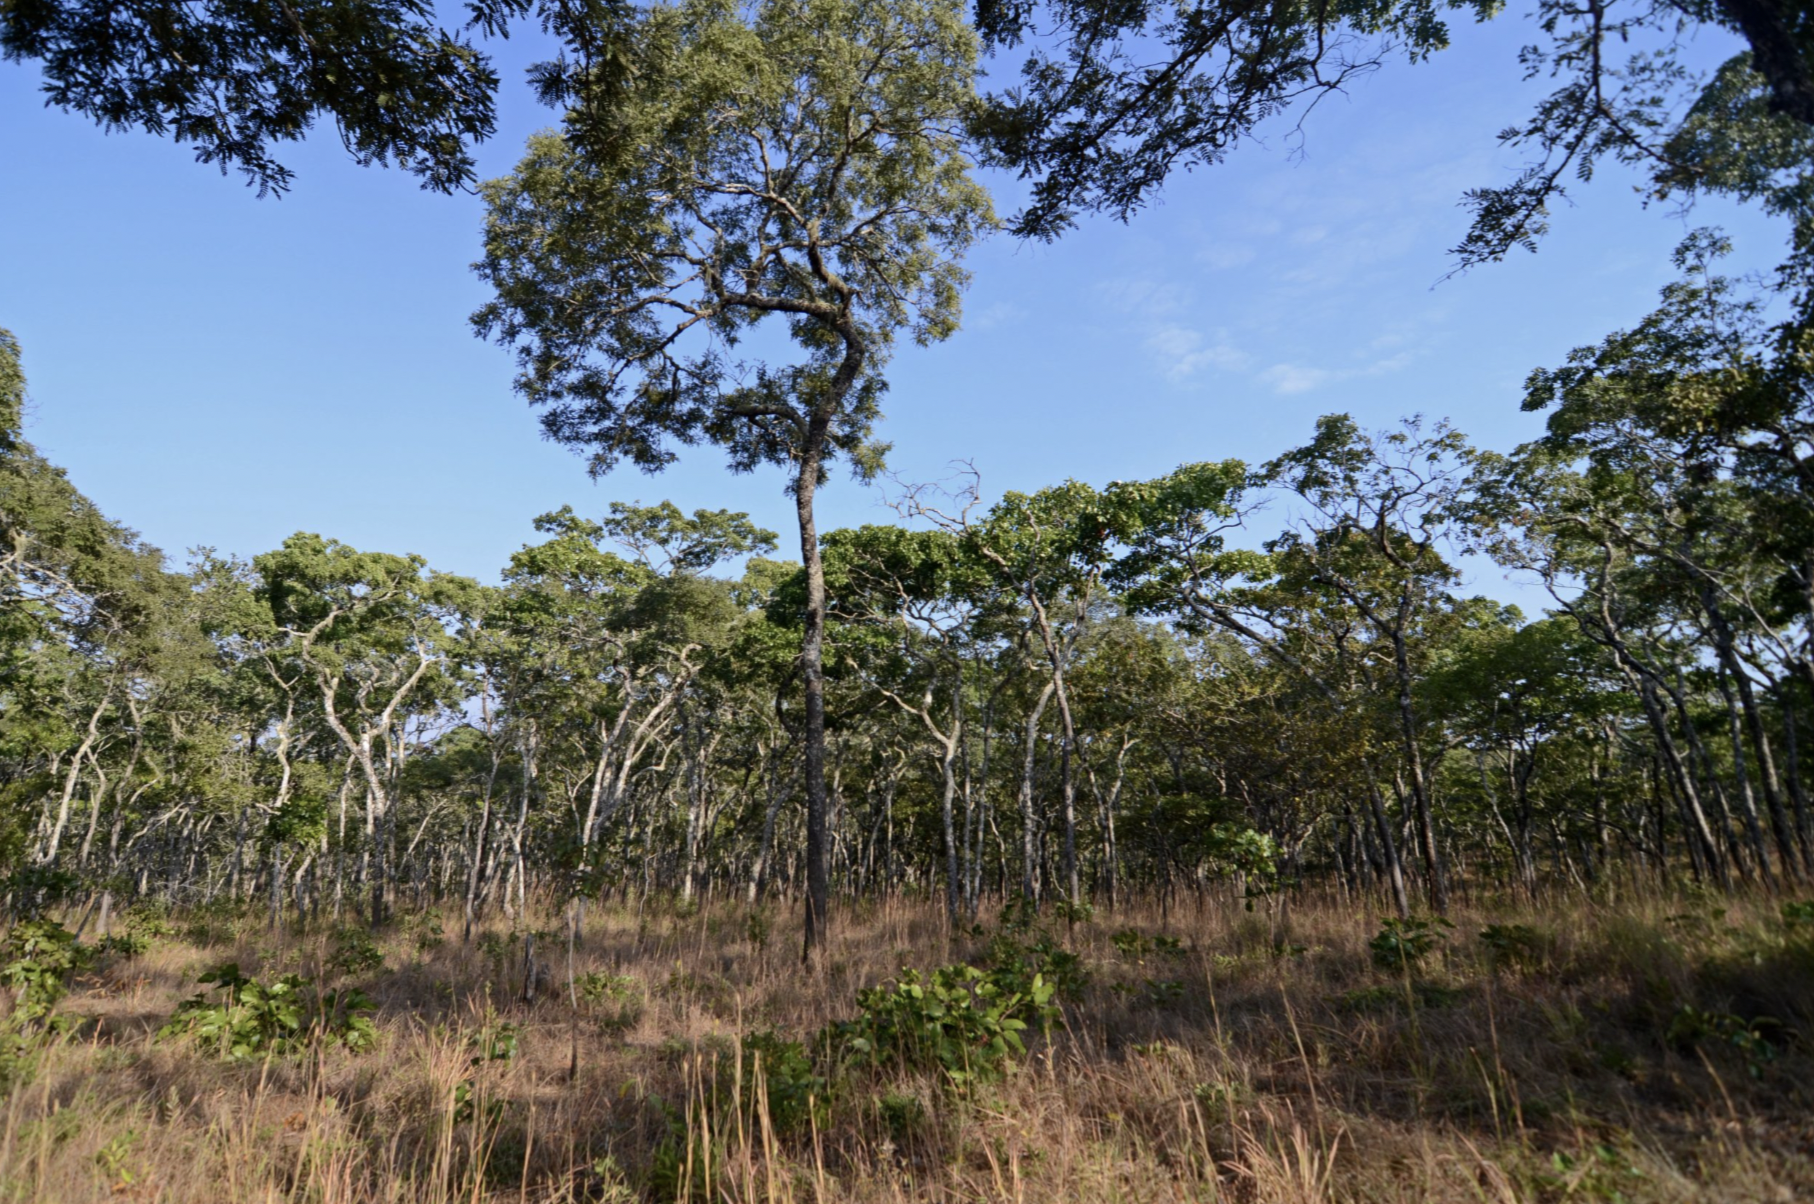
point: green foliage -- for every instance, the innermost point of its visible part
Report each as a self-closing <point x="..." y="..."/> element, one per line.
<point x="1164" y="992"/>
<point x="235" y="82"/>
<point x="41" y="886"/>
<point x="355" y="953"/>
<point x="795" y="1092"/>
<point x="1402" y="945"/>
<point x="1015" y="964"/>
<point x="1018" y="915"/>
<point x="142" y="926"/>
<point x="1136" y="946"/>
<point x="905" y="1115"/>
<point x="464" y="1105"/>
<point x="1799" y="915"/>
<point x="1601" y="1172"/>
<point x="114" y="1158"/>
<point x="1752" y="1038"/>
<point x="959" y="1019"/>
<point x="283" y="1016"/>
<point x="614" y="212"/>
<point x="756" y="927"/>
<point x="615" y="999"/>
<point x="424" y="930"/>
<point x="41" y="956"/>
<point x="497" y="1041"/>
<point x="1514" y="944"/>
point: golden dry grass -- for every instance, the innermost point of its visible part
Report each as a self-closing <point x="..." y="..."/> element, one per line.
<point x="1266" y="1062"/>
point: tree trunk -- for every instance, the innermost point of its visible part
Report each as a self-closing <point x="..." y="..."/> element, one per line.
<point x="812" y="675"/>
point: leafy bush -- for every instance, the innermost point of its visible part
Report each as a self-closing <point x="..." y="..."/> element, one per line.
<point x="904" y="1114"/>
<point x="464" y="1105"/>
<point x="1799" y="915"/>
<point x="1016" y="965"/>
<point x="1514" y="944"/>
<point x="1752" y="1038"/>
<point x="283" y="1016"/>
<point x="616" y="999"/>
<point x="355" y="953"/>
<point x="966" y="1022"/>
<point x="424" y="929"/>
<point x="1135" y="946"/>
<point x="40" y="886"/>
<point x="141" y="928"/>
<point x="1164" y="992"/>
<point x="1019" y="914"/>
<point x="795" y="1092"/>
<point x="1402" y="945"/>
<point x="41" y="955"/>
<point x="498" y="1041"/>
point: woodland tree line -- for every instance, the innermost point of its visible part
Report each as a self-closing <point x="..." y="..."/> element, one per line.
<point x="1234" y="676"/>
<point x="1255" y="675"/>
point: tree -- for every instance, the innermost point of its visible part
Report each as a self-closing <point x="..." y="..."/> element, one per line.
<point x="236" y="79"/>
<point x="919" y="590"/>
<point x="1114" y="97"/>
<point x="800" y="159"/>
<point x="370" y="632"/>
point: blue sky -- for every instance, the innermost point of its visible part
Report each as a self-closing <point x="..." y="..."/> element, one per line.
<point x="219" y="370"/>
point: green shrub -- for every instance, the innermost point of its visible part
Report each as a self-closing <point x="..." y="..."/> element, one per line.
<point x="1402" y="945"/>
<point x="615" y="999"/>
<point x="355" y="953"/>
<point x="1019" y="914"/>
<point x="1751" y="1038"/>
<point x="142" y="926"/>
<point x="904" y="1114"/>
<point x="284" y="1016"/>
<point x="1164" y="992"/>
<point x="1135" y="946"/>
<point x="794" y="1090"/>
<point x="1015" y="965"/>
<point x="1514" y="944"/>
<point x="424" y="930"/>
<point x="497" y="1041"/>
<point x="960" y="1019"/>
<point x="41" y="956"/>
<point x="1132" y="944"/>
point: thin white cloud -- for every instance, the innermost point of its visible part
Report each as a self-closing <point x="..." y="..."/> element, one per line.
<point x="1001" y="313"/>
<point x="1290" y="379"/>
<point x="1182" y="352"/>
<point x="1222" y="256"/>
<point x="1145" y="296"/>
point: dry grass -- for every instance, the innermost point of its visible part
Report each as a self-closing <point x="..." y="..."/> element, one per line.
<point x="1265" y="1061"/>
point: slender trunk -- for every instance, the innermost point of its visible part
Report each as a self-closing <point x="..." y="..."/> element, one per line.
<point x="1726" y="648"/>
<point x="49" y="854"/>
<point x="812" y="674"/>
<point x="1395" y="867"/>
<point x="1748" y="801"/>
<point x="1029" y="830"/>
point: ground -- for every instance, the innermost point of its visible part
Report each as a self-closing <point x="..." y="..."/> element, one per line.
<point x="1636" y="1045"/>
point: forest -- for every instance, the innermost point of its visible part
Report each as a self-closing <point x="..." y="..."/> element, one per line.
<point x="1210" y="836"/>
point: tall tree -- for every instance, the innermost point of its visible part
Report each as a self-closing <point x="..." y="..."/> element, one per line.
<point x="792" y="158"/>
